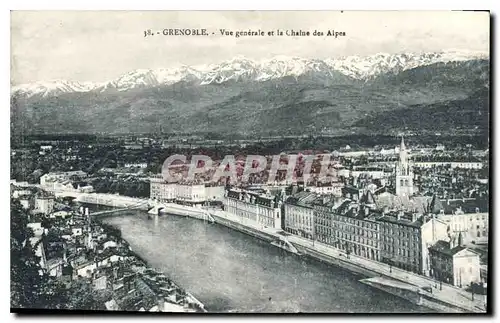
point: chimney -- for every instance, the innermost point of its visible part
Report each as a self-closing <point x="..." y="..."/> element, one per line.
<point x="460" y="239"/>
<point x="400" y="214"/>
<point x="86" y="211"/>
<point x="453" y="241"/>
<point x="367" y="211"/>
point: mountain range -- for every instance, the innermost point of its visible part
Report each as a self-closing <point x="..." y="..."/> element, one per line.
<point x="278" y="95"/>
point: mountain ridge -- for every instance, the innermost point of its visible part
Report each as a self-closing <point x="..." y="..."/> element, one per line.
<point x="240" y="68"/>
<point x="298" y="101"/>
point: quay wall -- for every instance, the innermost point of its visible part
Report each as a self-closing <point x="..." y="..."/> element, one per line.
<point x="243" y="228"/>
<point x="176" y="209"/>
<point x="430" y="301"/>
<point x="410" y="295"/>
<point x="341" y="260"/>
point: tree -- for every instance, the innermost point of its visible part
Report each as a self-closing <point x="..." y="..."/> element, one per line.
<point x="29" y="286"/>
<point x="25" y="269"/>
<point x="81" y="296"/>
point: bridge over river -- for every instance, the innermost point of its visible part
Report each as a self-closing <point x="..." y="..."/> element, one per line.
<point x="124" y="203"/>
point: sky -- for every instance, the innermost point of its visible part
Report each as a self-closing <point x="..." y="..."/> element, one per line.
<point x="101" y="45"/>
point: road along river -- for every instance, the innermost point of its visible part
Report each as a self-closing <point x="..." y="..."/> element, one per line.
<point x="229" y="271"/>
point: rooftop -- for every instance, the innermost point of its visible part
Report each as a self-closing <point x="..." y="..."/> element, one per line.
<point x="443" y="247"/>
<point x="466" y="205"/>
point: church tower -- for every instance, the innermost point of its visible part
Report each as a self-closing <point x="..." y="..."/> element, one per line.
<point x="404" y="173"/>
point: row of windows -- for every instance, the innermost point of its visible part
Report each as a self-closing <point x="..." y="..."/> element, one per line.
<point x="363" y="224"/>
<point x="300" y="219"/>
<point x="390" y="229"/>
<point x="248" y="214"/>
<point x="354" y="238"/>
<point x="355" y="230"/>
<point x="322" y="222"/>
<point x="299" y="210"/>
<point x="251" y="207"/>
<point x="402" y="242"/>
<point x="404" y="182"/>
<point x="401" y="251"/>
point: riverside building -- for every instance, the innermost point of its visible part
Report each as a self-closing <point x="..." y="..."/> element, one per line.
<point x="188" y="193"/>
<point x="256" y="208"/>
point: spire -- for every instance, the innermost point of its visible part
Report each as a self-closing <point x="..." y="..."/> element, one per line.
<point x="368" y="198"/>
<point x="403" y="147"/>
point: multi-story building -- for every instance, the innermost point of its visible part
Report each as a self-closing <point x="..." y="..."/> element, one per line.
<point x="191" y="193"/>
<point x="44" y="203"/>
<point x="259" y="209"/>
<point x="60" y="180"/>
<point x="184" y="193"/>
<point x="356" y="230"/>
<point x="347" y="225"/>
<point x="452" y="263"/>
<point x="398" y="238"/>
<point x="161" y="190"/>
<point x="323" y="218"/>
<point x="299" y="214"/>
<point x="466" y="216"/>
<point x="405" y="239"/>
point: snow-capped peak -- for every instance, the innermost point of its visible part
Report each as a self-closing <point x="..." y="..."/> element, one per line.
<point x="242" y="68"/>
<point x="53" y="87"/>
<point x="369" y="66"/>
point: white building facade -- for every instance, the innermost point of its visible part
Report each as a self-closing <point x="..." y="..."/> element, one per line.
<point x="258" y="209"/>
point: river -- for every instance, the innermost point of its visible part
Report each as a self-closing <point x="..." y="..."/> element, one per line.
<point x="229" y="271"/>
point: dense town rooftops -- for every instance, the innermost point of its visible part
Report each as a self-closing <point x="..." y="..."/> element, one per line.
<point x="252" y="197"/>
<point x="419" y="204"/>
<point x="303" y="199"/>
<point x="403" y="218"/>
<point x="350" y="189"/>
<point x="327" y="201"/>
<point x="465" y="205"/>
<point x="446" y="159"/>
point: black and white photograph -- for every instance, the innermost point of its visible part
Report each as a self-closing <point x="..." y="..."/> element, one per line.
<point x="250" y="162"/>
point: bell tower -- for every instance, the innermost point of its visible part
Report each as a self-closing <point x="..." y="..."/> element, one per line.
<point x="404" y="172"/>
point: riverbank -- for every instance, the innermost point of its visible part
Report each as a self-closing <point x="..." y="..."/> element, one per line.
<point x="447" y="299"/>
<point x="189" y="298"/>
<point x="450" y="296"/>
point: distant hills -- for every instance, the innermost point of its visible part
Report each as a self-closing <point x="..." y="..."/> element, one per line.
<point x="280" y="96"/>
